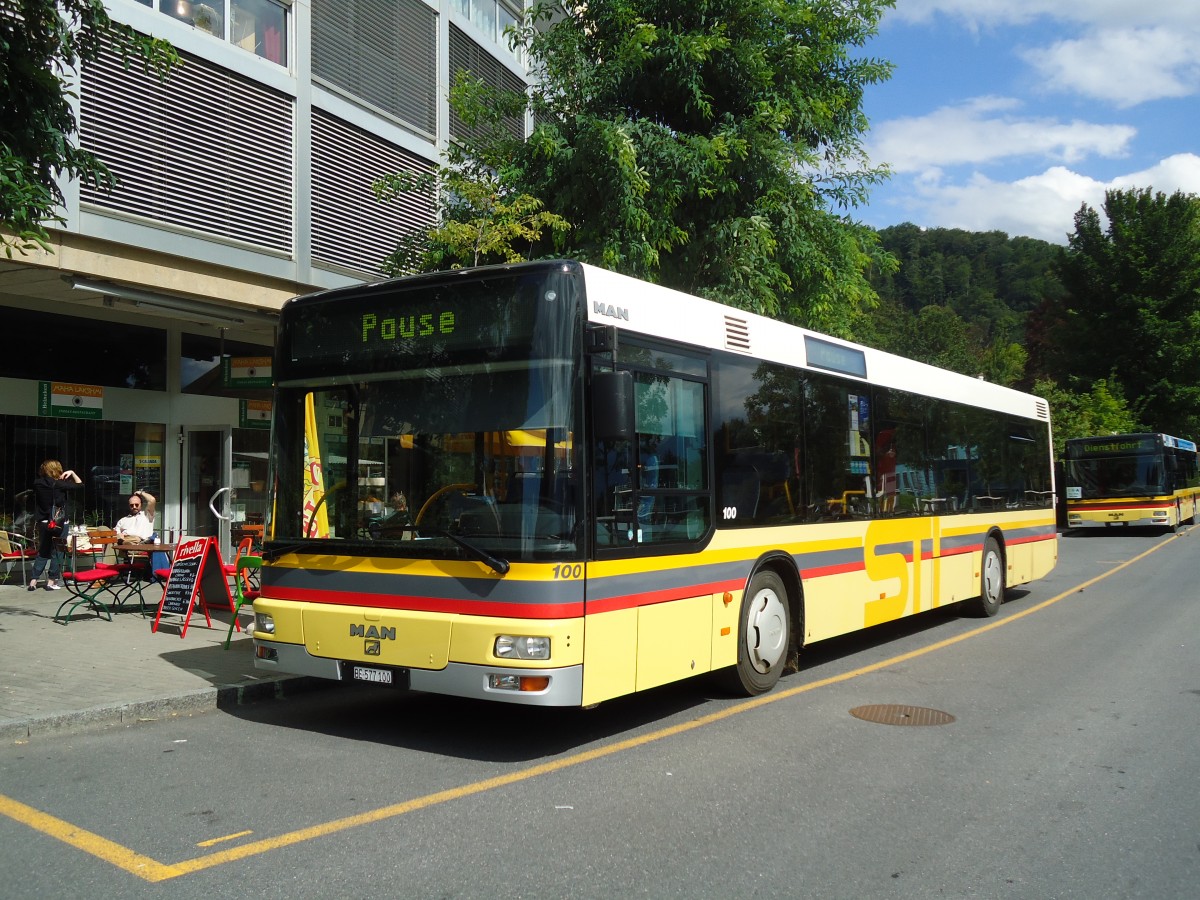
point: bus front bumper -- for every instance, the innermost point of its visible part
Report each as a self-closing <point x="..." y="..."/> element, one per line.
<point x="563" y="687"/>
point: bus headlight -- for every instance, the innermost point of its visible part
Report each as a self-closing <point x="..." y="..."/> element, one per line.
<point x="263" y="622"/>
<point x="510" y="646"/>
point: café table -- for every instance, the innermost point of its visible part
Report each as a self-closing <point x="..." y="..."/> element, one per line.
<point x="140" y="574"/>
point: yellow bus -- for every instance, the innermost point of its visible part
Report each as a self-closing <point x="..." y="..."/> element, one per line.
<point x="1131" y="479"/>
<point x="553" y="485"/>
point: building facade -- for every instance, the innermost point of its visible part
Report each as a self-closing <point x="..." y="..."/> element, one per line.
<point x="139" y="349"/>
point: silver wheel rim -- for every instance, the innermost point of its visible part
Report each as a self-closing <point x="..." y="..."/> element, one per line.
<point x="993" y="577"/>
<point x="766" y="630"/>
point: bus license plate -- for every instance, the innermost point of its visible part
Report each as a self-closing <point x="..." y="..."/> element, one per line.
<point x="376" y="676"/>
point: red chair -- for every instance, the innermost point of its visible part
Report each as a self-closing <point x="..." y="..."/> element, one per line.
<point x="15" y="548"/>
<point x="132" y="566"/>
<point x="86" y="585"/>
<point x="244" y="548"/>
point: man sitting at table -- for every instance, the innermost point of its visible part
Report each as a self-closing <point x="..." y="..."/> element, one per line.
<point x="138" y="526"/>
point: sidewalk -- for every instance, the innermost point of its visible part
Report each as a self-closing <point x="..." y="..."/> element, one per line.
<point x="92" y="672"/>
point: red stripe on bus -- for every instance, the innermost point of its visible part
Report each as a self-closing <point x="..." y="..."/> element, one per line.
<point x="650" y="598"/>
<point x="1031" y="540"/>
<point x="839" y="569"/>
<point x="570" y="610"/>
<point x="1091" y="506"/>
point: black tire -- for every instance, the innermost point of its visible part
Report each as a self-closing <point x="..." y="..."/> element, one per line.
<point x="764" y="636"/>
<point x="991" y="582"/>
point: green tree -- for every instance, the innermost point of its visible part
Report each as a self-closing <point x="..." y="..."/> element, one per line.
<point x="1100" y="410"/>
<point x="41" y="43"/>
<point x="711" y="145"/>
<point x="1132" y="305"/>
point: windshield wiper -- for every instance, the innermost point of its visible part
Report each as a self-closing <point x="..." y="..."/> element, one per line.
<point x="498" y="565"/>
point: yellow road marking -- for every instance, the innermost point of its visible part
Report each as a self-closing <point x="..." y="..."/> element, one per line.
<point x="101" y="848"/>
<point x="211" y="842"/>
<point x="151" y="870"/>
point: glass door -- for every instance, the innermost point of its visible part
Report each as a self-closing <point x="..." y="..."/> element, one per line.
<point x="207" y="485"/>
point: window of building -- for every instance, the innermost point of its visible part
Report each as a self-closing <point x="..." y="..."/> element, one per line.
<point x="259" y="26"/>
<point x="202" y="370"/>
<point x="492" y="17"/>
<point x="84" y="351"/>
<point x="111" y="459"/>
<point x="466" y="55"/>
<point x="382" y="53"/>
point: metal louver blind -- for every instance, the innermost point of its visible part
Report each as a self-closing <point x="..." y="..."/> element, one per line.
<point x="207" y="150"/>
<point x="468" y="55"/>
<point x="382" y="51"/>
<point x="350" y="227"/>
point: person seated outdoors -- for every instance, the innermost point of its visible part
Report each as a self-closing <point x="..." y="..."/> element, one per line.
<point x="395" y="523"/>
<point x="138" y="526"/>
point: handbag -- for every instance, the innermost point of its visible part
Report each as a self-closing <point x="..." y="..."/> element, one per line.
<point x="58" y="519"/>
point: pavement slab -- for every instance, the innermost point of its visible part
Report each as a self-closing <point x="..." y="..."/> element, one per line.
<point x="90" y="672"/>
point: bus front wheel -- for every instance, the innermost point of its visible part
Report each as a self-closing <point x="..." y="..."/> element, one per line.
<point x="991" y="582"/>
<point x="764" y="634"/>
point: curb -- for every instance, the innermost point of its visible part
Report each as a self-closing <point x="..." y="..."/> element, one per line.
<point x="190" y="703"/>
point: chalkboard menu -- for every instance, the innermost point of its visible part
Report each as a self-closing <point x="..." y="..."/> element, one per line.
<point x="197" y="573"/>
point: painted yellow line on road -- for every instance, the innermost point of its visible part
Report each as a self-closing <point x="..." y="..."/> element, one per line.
<point x="101" y="848"/>
<point x="151" y="870"/>
<point x="212" y="842"/>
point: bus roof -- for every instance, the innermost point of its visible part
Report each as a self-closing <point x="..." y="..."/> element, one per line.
<point x="651" y="309"/>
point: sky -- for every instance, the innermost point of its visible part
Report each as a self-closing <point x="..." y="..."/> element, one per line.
<point x="1009" y="114"/>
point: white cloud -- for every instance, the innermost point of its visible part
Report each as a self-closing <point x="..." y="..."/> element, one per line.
<point x="1180" y="172"/>
<point x="1124" y="52"/>
<point x="977" y="14"/>
<point x="986" y="130"/>
<point x="1125" y="67"/>
<point x="1041" y="206"/>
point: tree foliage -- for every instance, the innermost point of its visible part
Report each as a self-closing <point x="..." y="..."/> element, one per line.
<point x="1101" y="409"/>
<point x="1131" y="308"/>
<point x="41" y="43"/>
<point x="960" y="299"/>
<point x="711" y="145"/>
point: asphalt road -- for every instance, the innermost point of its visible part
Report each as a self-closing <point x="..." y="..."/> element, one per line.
<point x="1069" y="769"/>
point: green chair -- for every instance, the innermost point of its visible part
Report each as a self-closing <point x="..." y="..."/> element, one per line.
<point x="241" y="593"/>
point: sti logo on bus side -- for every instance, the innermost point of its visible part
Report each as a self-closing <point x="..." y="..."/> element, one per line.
<point x="370" y="631"/>
<point x="607" y="309"/>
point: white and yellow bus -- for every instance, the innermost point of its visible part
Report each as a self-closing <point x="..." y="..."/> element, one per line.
<point x="549" y="484"/>
<point x="1131" y="479"/>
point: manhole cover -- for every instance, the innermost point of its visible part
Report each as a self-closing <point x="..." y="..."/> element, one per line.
<point x="893" y="714"/>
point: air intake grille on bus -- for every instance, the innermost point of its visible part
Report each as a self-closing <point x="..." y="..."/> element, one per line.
<point x="1043" y="411"/>
<point x="737" y="334"/>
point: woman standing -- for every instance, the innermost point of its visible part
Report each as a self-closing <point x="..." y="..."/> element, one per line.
<point x="50" y="490"/>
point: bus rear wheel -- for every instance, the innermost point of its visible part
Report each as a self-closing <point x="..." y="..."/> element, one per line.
<point x="764" y="634"/>
<point x="991" y="582"/>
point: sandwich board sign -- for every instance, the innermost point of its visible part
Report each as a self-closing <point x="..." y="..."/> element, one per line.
<point x="197" y="574"/>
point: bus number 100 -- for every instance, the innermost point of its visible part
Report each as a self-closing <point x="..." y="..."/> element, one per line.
<point x="567" y="572"/>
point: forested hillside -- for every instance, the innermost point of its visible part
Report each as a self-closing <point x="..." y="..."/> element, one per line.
<point x="962" y="299"/>
<point x="1104" y="327"/>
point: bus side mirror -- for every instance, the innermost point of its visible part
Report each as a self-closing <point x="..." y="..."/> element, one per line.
<point x="612" y="405"/>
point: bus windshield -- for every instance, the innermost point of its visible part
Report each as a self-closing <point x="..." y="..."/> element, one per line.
<point x="434" y="424"/>
<point x="1118" y="476"/>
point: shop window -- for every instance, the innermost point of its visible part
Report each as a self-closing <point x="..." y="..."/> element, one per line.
<point x="84" y="351"/>
<point x="111" y="458"/>
<point x="203" y="369"/>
